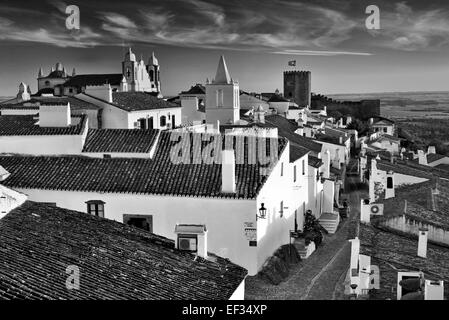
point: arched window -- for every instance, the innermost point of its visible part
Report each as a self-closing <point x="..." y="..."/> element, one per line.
<point x="47" y="83"/>
<point x="163" y="121"/>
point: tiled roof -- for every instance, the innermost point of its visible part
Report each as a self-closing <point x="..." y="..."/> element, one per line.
<point x="277" y="98"/>
<point x="197" y="89"/>
<point x="315" y="162"/>
<point x="120" y="140"/>
<point x="411" y="168"/>
<point x="297" y="152"/>
<point x="382" y="119"/>
<point x="158" y="175"/>
<point x="25" y="125"/>
<point x="432" y="157"/>
<point x="287" y="128"/>
<point x="82" y="80"/>
<point x="395" y="251"/>
<point x="33" y="103"/>
<point x="134" y="101"/>
<point x="38" y="242"/>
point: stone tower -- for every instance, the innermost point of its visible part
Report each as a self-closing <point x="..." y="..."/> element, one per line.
<point x="222" y="97"/>
<point x="154" y="70"/>
<point x="297" y="86"/>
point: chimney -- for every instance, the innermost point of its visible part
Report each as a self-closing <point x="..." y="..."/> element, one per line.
<point x="340" y="139"/>
<point x="422" y="157"/>
<point x="327" y="164"/>
<point x="431" y="150"/>
<point x="228" y="171"/>
<point x="103" y="92"/>
<point x="433" y="290"/>
<point x="370" y="121"/>
<point x="365" y="214"/>
<point x="422" y="242"/>
<point x="54" y="115"/>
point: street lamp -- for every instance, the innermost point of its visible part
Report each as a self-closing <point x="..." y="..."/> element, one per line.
<point x="262" y="212"/>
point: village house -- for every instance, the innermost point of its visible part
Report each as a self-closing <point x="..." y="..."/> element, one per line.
<point x="383" y="125"/>
<point x="258" y="204"/>
<point x="53" y="131"/>
<point x="112" y="260"/>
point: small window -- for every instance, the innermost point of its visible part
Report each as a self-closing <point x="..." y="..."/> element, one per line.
<point x="390" y="183"/>
<point x="282" y="169"/>
<point x="294" y="173"/>
<point x="163" y="121"/>
<point x="385" y="129"/>
<point x="107" y="156"/>
<point x="47" y="83"/>
<point x="95" y="208"/>
<point x="144" y="222"/>
<point x="303" y="167"/>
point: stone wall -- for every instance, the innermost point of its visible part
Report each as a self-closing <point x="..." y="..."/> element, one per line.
<point x="363" y="109"/>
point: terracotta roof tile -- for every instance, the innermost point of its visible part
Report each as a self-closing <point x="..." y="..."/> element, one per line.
<point x="116" y="261"/>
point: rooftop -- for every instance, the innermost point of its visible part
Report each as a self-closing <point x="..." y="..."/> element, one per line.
<point x="116" y="261"/>
<point x="135" y="101"/>
<point x="82" y="80"/>
<point x="432" y="157"/>
<point x="143" y="176"/>
<point x="394" y="251"/>
<point x="196" y="89"/>
<point x="120" y="140"/>
<point x="411" y="168"/>
<point x="25" y="125"/>
<point x="287" y="128"/>
<point x="36" y="101"/>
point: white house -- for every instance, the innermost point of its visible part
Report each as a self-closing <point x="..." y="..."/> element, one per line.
<point x="123" y="262"/>
<point x="248" y="209"/>
<point x="54" y="131"/>
<point x="132" y="110"/>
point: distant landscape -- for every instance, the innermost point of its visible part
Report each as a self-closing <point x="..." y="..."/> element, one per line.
<point x="421" y="117"/>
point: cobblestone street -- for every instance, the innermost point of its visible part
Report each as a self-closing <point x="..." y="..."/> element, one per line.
<point x="321" y="276"/>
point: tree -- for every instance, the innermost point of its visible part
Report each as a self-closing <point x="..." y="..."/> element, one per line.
<point x="358" y="125"/>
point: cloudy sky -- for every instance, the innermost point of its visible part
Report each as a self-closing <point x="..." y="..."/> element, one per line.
<point x="410" y="51"/>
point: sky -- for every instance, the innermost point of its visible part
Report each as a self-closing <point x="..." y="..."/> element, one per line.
<point x="410" y="51"/>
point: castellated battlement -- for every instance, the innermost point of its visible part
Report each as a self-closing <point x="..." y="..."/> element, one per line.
<point x="297" y="72"/>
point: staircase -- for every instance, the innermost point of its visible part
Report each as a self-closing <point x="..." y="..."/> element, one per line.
<point x="329" y="221"/>
<point x="303" y="250"/>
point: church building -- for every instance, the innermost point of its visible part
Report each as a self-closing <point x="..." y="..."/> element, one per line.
<point x="136" y="76"/>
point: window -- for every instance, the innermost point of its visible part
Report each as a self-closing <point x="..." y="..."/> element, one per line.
<point x="47" y="83"/>
<point x="294" y="173"/>
<point x="142" y="123"/>
<point x="128" y="73"/>
<point x="163" y="121"/>
<point x="390" y="183"/>
<point x="96" y="208"/>
<point x="150" y="123"/>
<point x="303" y="167"/>
<point x="144" y="222"/>
<point x="385" y="130"/>
<point x="281" y="211"/>
<point x="282" y="169"/>
<point x="219" y="98"/>
<point x="107" y="156"/>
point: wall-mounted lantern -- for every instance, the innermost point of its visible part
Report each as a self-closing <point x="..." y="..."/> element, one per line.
<point x="262" y="212"/>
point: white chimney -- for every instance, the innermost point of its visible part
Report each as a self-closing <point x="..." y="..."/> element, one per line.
<point x="340" y="139"/>
<point x="54" y="115"/>
<point x="422" y="242"/>
<point x="327" y="164"/>
<point x="431" y="150"/>
<point x="422" y="157"/>
<point x="365" y="214"/>
<point x="434" y="290"/>
<point x="103" y="92"/>
<point x="228" y="171"/>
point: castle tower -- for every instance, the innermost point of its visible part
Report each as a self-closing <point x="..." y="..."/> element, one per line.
<point x="297" y="86"/>
<point x="222" y="97"/>
<point x="154" y="71"/>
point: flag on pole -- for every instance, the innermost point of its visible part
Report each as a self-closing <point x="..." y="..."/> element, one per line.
<point x="292" y="63"/>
